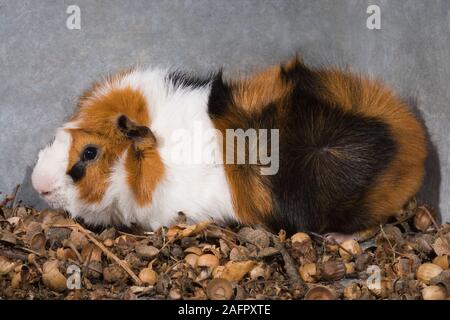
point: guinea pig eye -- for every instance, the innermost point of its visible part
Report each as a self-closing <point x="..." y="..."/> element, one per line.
<point x="90" y="153"/>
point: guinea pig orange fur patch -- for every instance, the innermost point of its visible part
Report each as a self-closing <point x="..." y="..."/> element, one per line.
<point x="254" y="93"/>
<point x="145" y="169"/>
<point x="96" y="119"/>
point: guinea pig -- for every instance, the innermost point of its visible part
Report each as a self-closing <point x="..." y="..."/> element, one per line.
<point x="347" y="153"/>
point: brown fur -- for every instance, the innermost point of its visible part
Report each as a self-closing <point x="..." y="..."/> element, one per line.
<point x="251" y="192"/>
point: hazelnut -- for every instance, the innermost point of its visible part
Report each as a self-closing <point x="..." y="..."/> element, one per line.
<point x="351" y="247"/>
<point x="442" y="261"/>
<point x="308" y="272"/>
<point x="332" y="270"/>
<point x="422" y="219"/>
<point x="428" y="271"/>
<point x="148" y="276"/>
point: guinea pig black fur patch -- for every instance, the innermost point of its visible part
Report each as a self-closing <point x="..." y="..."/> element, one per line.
<point x="77" y="171"/>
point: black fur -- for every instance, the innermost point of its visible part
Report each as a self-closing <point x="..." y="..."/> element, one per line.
<point x="181" y="79"/>
<point x="78" y="171"/>
<point x="328" y="157"/>
<point x="220" y="99"/>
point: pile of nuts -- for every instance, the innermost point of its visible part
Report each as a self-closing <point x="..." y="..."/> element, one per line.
<point x="406" y="260"/>
<point x="47" y="255"/>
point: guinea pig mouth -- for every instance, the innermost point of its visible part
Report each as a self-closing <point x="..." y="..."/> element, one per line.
<point x="55" y="200"/>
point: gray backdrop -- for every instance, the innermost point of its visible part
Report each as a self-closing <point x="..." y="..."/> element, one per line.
<point x="44" y="66"/>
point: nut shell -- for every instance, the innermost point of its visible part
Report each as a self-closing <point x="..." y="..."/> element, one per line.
<point x="442" y="261"/>
<point x="434" y="293"/>
<point x="320" y="293"/>
<point x="428" y="271"/>
<point x="148" y="276"/>
<point x="332" y="270"/>
<point x="208" y="261"/>
<point x="300" y="237"/>
<point x="308" y="272"/>
<point x="422" y="220"/>
<point x="219" y="289"/>
<point x="350" y="246"/>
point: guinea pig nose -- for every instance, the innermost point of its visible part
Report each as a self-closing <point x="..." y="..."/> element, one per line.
<point x="45" y="192"/>
<point x="43" y="187"/>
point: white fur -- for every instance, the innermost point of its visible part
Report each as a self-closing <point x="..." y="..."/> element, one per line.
<point x="199" y="190"/>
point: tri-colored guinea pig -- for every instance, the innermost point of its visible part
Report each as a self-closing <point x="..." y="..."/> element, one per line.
<point x="350" y="154"/>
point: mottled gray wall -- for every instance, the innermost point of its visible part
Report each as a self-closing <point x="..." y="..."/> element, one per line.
<point x="44" y="66"/>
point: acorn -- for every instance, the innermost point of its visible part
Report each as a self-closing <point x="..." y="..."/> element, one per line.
<point x="332" y="270"/>
<point x="352" y="291"/>
<point x="219" y="289"/>
<point x="148" y="276"/>
<point x="352" y="249"/>
<point x="428" y="271"/>
<point x="308" y="272"/>
<point x="434" y="293"/>
<point x="208" y="261"/>
<point x="422" y="219"/>
<point x="442" y="261"/>
<point x="320" y="293"/>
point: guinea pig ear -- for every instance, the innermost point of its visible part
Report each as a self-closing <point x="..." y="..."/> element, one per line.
<point x="134" y="131"/>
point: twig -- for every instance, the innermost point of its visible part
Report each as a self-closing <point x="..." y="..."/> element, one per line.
<point x="10" y="197"/>
<point x="132" y="235"/>
<point x="10" y="254"/>
<point x="29" y="250"/>
<point x="331" y="241"/>
<point x="107" y="252"/>
<point x="14" y="204"/>
<point x="289" y="264"/>
<point x="240" y="238"/>
<point x="74" y="249"/>
<point x="389" y="242"/>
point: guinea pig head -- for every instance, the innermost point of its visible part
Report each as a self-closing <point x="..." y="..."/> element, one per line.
<point x="104" y="153"/>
